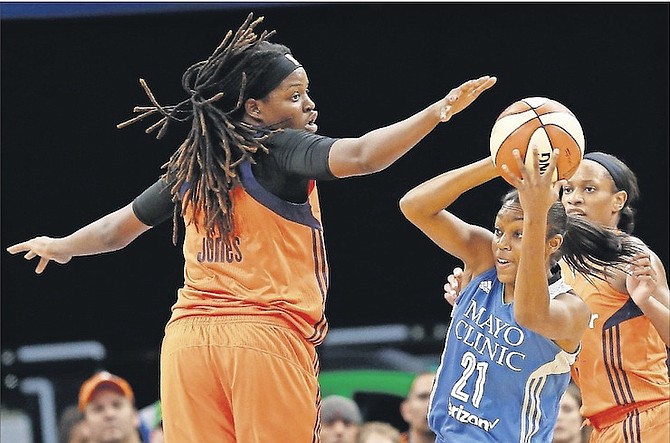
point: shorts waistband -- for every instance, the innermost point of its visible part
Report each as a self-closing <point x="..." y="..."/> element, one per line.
<point x="223" y="319"/>
<point x="617" y="414"/>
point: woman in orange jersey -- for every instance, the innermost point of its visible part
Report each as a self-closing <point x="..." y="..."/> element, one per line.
<point x="238" y="360"/>
<point x="622" y="369"/>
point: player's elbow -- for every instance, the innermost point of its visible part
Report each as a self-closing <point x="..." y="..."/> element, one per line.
<point x="534" y="320"/>
<point x="409" y="206"/>
<point x="351" y="157"/>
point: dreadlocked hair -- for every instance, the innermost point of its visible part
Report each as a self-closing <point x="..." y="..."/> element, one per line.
<point x="587" y="248"/>
<point x="218" y="141"/>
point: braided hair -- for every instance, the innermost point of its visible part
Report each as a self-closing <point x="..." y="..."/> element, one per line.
<point x="588" y="248"/>
<point x="202" y="171"/>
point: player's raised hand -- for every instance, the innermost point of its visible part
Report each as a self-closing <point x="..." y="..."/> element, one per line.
<point x="537" y="189"/>
<point x="642" y="280"/>
<point x="460" y="98"/>
<point x="46" y="248"/>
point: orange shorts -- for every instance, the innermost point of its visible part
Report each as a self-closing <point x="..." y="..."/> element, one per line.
<point x="238" y="379"/>
<point x="649" y="426"/>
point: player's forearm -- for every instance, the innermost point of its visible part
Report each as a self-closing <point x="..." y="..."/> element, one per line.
<point x="109" y="233"/>
<point x="380" y="148"/>
<point x="531" y="293"/>
<point x="432" y="196"/>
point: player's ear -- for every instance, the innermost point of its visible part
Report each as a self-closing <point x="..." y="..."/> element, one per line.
<point x="555" y="243"/>
<point x="619" y="200"/>
<point x="251" y="109"/>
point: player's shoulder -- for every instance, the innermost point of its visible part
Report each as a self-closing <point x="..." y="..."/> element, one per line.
<point x="295" y="137"/>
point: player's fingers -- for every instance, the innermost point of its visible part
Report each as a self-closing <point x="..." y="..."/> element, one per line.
<point x="553" y="159"/>
<point x="558" y="185"/>
<point x="535" y="171"/>
<point x="19" y="247"/>
<point x="642" y="258"/>
<point x="41" y="265"/>
<point x="484" y="83"/>
<point x="641" y="269"/>
<point x="465" y="88"/>
<point x="515" y="179"/>
<point x="451" y="284"/>
<point x="553" y="164"/>
<point x="516" y="155"/>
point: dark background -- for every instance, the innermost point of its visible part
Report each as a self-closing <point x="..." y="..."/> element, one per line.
<point x="68" y="80"/>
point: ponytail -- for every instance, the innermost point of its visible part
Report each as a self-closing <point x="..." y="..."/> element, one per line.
<point x="590" y="249"/>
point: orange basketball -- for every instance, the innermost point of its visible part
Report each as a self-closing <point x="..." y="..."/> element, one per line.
<point x="541" y="123"/>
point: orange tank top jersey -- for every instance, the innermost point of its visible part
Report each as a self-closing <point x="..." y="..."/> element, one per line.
<point x="622" y="363"/>
<point x="274" y="266"/>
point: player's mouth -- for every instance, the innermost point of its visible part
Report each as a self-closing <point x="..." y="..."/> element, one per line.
<point x="574" y="212"/>
<point x="502" y="263"/>
<point x="311" y="123"/>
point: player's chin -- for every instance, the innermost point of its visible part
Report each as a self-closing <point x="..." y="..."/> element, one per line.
<point x="506" y="274"/>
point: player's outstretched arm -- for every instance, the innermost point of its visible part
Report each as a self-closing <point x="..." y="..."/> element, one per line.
<point x="379" y="148"/>
<point x="110" y="233"/>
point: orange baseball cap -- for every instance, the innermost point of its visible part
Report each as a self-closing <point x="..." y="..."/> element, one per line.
<point x="103" y="378"/>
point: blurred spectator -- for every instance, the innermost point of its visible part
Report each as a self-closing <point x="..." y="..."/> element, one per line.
<point x="378" y="432"/>
<point x="569" y="425"/>
<point x="108" y="404"/>
<point x="151" y="417"/>
<point x="414" y="410"/>
<point x="340" y="420"/>
<point x="72" y="428"/>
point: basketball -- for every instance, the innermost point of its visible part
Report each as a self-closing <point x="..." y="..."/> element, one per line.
<point x="542" y="123"/>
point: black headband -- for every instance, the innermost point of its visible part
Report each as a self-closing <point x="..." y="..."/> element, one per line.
<point x="278" y="69"/>
<point x="611" y="164"/>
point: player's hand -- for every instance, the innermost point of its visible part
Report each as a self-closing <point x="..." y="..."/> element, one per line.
<point x="46" y="248"/>
<point x="460" y="98"/>
<point x="537" y="189"/>
<point x="641" y="279"/>
<point x="453" y="286"/>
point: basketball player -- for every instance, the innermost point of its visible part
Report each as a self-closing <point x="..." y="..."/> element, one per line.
<point x="517" y="326"/>
<point x="238" y="360"/>
<point x="622" y="369"/>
